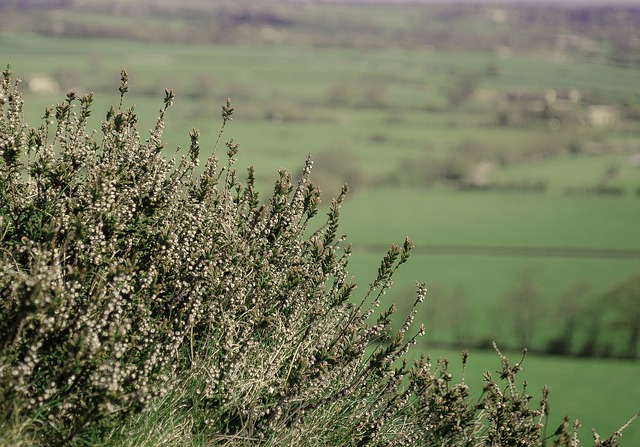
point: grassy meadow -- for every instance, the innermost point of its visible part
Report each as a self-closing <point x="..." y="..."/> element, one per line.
<point x="382" y="118"/>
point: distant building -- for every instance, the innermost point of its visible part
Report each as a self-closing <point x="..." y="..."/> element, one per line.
<point x="575" y="42"/>
<point x="603" y="115"/>
<point x="42" y="85"/>
<point x="498" y="15"/>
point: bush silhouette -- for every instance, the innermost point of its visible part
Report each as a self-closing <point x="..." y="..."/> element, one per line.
<point x="146" y="303"/>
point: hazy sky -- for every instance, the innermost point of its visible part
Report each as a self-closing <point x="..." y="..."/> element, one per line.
<point x="552" y="2"/>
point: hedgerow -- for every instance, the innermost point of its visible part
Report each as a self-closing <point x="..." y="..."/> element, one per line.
<point x="146" y="301"/>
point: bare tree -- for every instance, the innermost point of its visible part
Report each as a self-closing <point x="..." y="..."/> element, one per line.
<point x="571" y="305"/>
<point x="459" y="316"/>
<point x="593" y="317"/>
<point x="432" y="310"/>
<point x="624" y="300"/>
<point x="463" y="89"/>
<point x="523" y="304"/>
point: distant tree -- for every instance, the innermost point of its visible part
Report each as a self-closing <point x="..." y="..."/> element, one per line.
<point x="335" y="166"/>
<point x="431" y="311"/>
<point x="492" y="70"/>
<point x="459" y="313"/>
<point x="523" y="302"/>
<point x="447" y="314"/>
<point x="590" y="346"/>
<point x="569" y="310"/>
<point x="624" y="300"/>
<point x="462" y="89"/>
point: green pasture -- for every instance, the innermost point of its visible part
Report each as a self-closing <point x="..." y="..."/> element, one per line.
<point x="461" y="240"/>
<point x="381" y="108"/>
<point x="570" y="171"/>
<point x="441" y="216"/>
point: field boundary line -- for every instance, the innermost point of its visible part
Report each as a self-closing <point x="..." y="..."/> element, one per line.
<point x="479" y="250"/>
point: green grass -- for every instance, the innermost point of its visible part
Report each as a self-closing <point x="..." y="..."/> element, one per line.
<point x="445" y="217"/>
<point x="544" y="230"/>
<point x="574" y="171"/>
<point x="294" y="83"/>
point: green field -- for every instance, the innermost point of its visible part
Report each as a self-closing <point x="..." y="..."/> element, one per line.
<point x="445" y="217"/>
<point x="381" y="117"/>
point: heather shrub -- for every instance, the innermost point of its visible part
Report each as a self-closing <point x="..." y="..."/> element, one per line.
<point x="145" y="301"/>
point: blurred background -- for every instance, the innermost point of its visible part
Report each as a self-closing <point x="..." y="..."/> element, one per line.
<point x="502" y="137"/>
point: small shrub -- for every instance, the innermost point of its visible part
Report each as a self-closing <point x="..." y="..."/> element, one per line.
<point x="598" y="189"/>
<point x="144" y="304"/>
<point x="524" y="186"/>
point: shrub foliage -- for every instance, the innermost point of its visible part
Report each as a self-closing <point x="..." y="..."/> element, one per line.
<point x="140" y="294"/>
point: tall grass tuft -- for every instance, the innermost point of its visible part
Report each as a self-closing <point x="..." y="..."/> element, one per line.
<point x="144" y="302"/>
